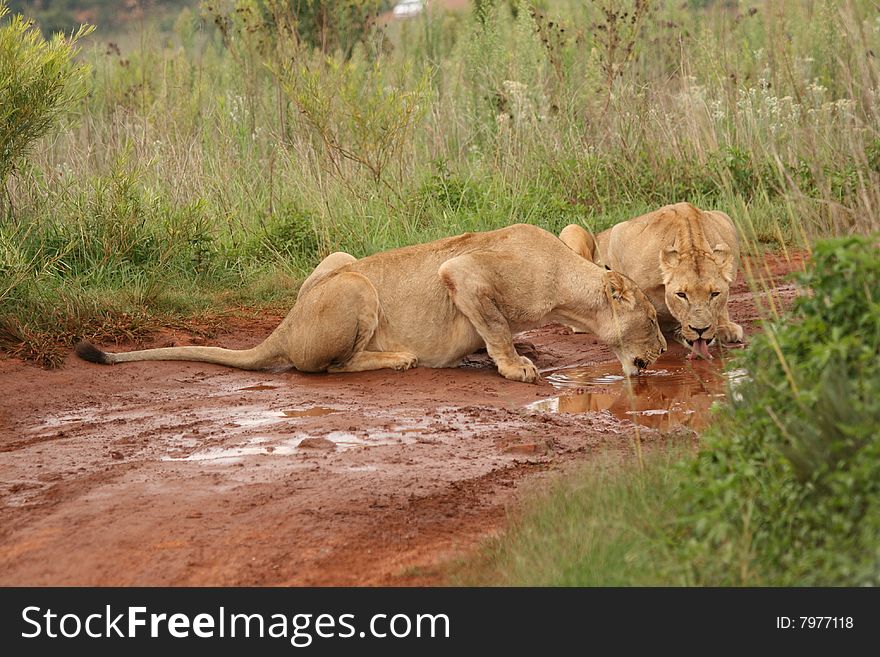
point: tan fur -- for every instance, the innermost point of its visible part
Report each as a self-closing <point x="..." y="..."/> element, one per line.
<point x="431" y="304"/>
<point x="580" y="241"/>
<point x="677" y="249"/>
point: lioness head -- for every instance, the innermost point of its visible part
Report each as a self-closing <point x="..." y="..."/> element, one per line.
<point x="631" y="327"/>
<point x="696" y="289"/>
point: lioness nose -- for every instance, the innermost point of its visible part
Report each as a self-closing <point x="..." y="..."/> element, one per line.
<point x="698" y="331"/>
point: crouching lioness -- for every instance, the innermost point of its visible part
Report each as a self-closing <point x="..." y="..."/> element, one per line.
<point x="683" y="258"/>
<point x="431" y="304"/>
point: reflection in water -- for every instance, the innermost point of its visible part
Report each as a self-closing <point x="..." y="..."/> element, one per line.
<point x="673" y="393"/>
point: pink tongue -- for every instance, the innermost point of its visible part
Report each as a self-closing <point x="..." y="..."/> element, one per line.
<point x="700" y="348"/>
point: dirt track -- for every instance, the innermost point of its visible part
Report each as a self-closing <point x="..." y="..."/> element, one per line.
<point x="195" y="474"/>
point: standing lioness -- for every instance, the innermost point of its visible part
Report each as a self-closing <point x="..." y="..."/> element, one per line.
<point x="683" y="258"/>
<point x="431" y="304"/>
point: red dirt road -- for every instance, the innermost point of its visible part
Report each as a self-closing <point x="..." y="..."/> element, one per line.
<point x="195" y="474"/>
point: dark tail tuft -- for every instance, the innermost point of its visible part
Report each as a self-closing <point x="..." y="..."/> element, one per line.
<point x="88" y="351"/>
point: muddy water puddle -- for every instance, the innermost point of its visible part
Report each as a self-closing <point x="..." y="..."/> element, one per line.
<point x="270" y="446"/>
<point x="314" y="411"/>
<point x="673" y="393"/>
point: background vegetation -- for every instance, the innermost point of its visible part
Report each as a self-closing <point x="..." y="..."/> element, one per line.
<point x="66" y="15"/>
<point x="210" y="164"/>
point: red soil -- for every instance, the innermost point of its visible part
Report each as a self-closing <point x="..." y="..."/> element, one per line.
<point x="192" y="474"/>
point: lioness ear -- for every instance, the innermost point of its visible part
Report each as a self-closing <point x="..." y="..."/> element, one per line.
<point x="724" y="259"/>
<point x="668" y="262"/>
<point x="618" y="288"/>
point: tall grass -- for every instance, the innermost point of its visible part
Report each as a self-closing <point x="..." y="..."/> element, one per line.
<point x="215" y="165"/>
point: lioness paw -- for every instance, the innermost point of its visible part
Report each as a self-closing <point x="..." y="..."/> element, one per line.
<point x="729" y="333"/>
<point x="407" y="362"/>
<point x="520" y="369"/>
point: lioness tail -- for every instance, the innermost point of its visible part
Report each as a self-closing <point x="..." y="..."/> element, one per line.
<point x="88" y="351"/>
<point x="263" y="356"/>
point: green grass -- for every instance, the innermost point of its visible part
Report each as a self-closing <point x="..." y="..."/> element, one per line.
<point x="599" y="526"/>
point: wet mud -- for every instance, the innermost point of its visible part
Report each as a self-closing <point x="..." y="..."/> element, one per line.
<point x="193" y="474"/>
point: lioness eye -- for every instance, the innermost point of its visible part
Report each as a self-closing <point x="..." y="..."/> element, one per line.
<point x="715" y="294"/>
<point x="681" y="294"/>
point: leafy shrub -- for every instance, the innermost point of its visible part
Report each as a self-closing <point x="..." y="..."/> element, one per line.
<point x="452" y="192"/>
<point x="788" y="489"/>
<point x="288" y="235"/>
<point x="39" y="83"/>
<point x="359" y="115"/>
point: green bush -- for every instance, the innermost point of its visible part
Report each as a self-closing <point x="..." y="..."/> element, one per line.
<point x="288" y="236"/>
<point x="787" y="490"/>
<point x="39" y="83"/>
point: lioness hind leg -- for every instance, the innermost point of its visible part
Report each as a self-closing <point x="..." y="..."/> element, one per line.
<point x="333" y="323"/>
<point x="377" y="360"/>
<point x="471" y="286"/>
